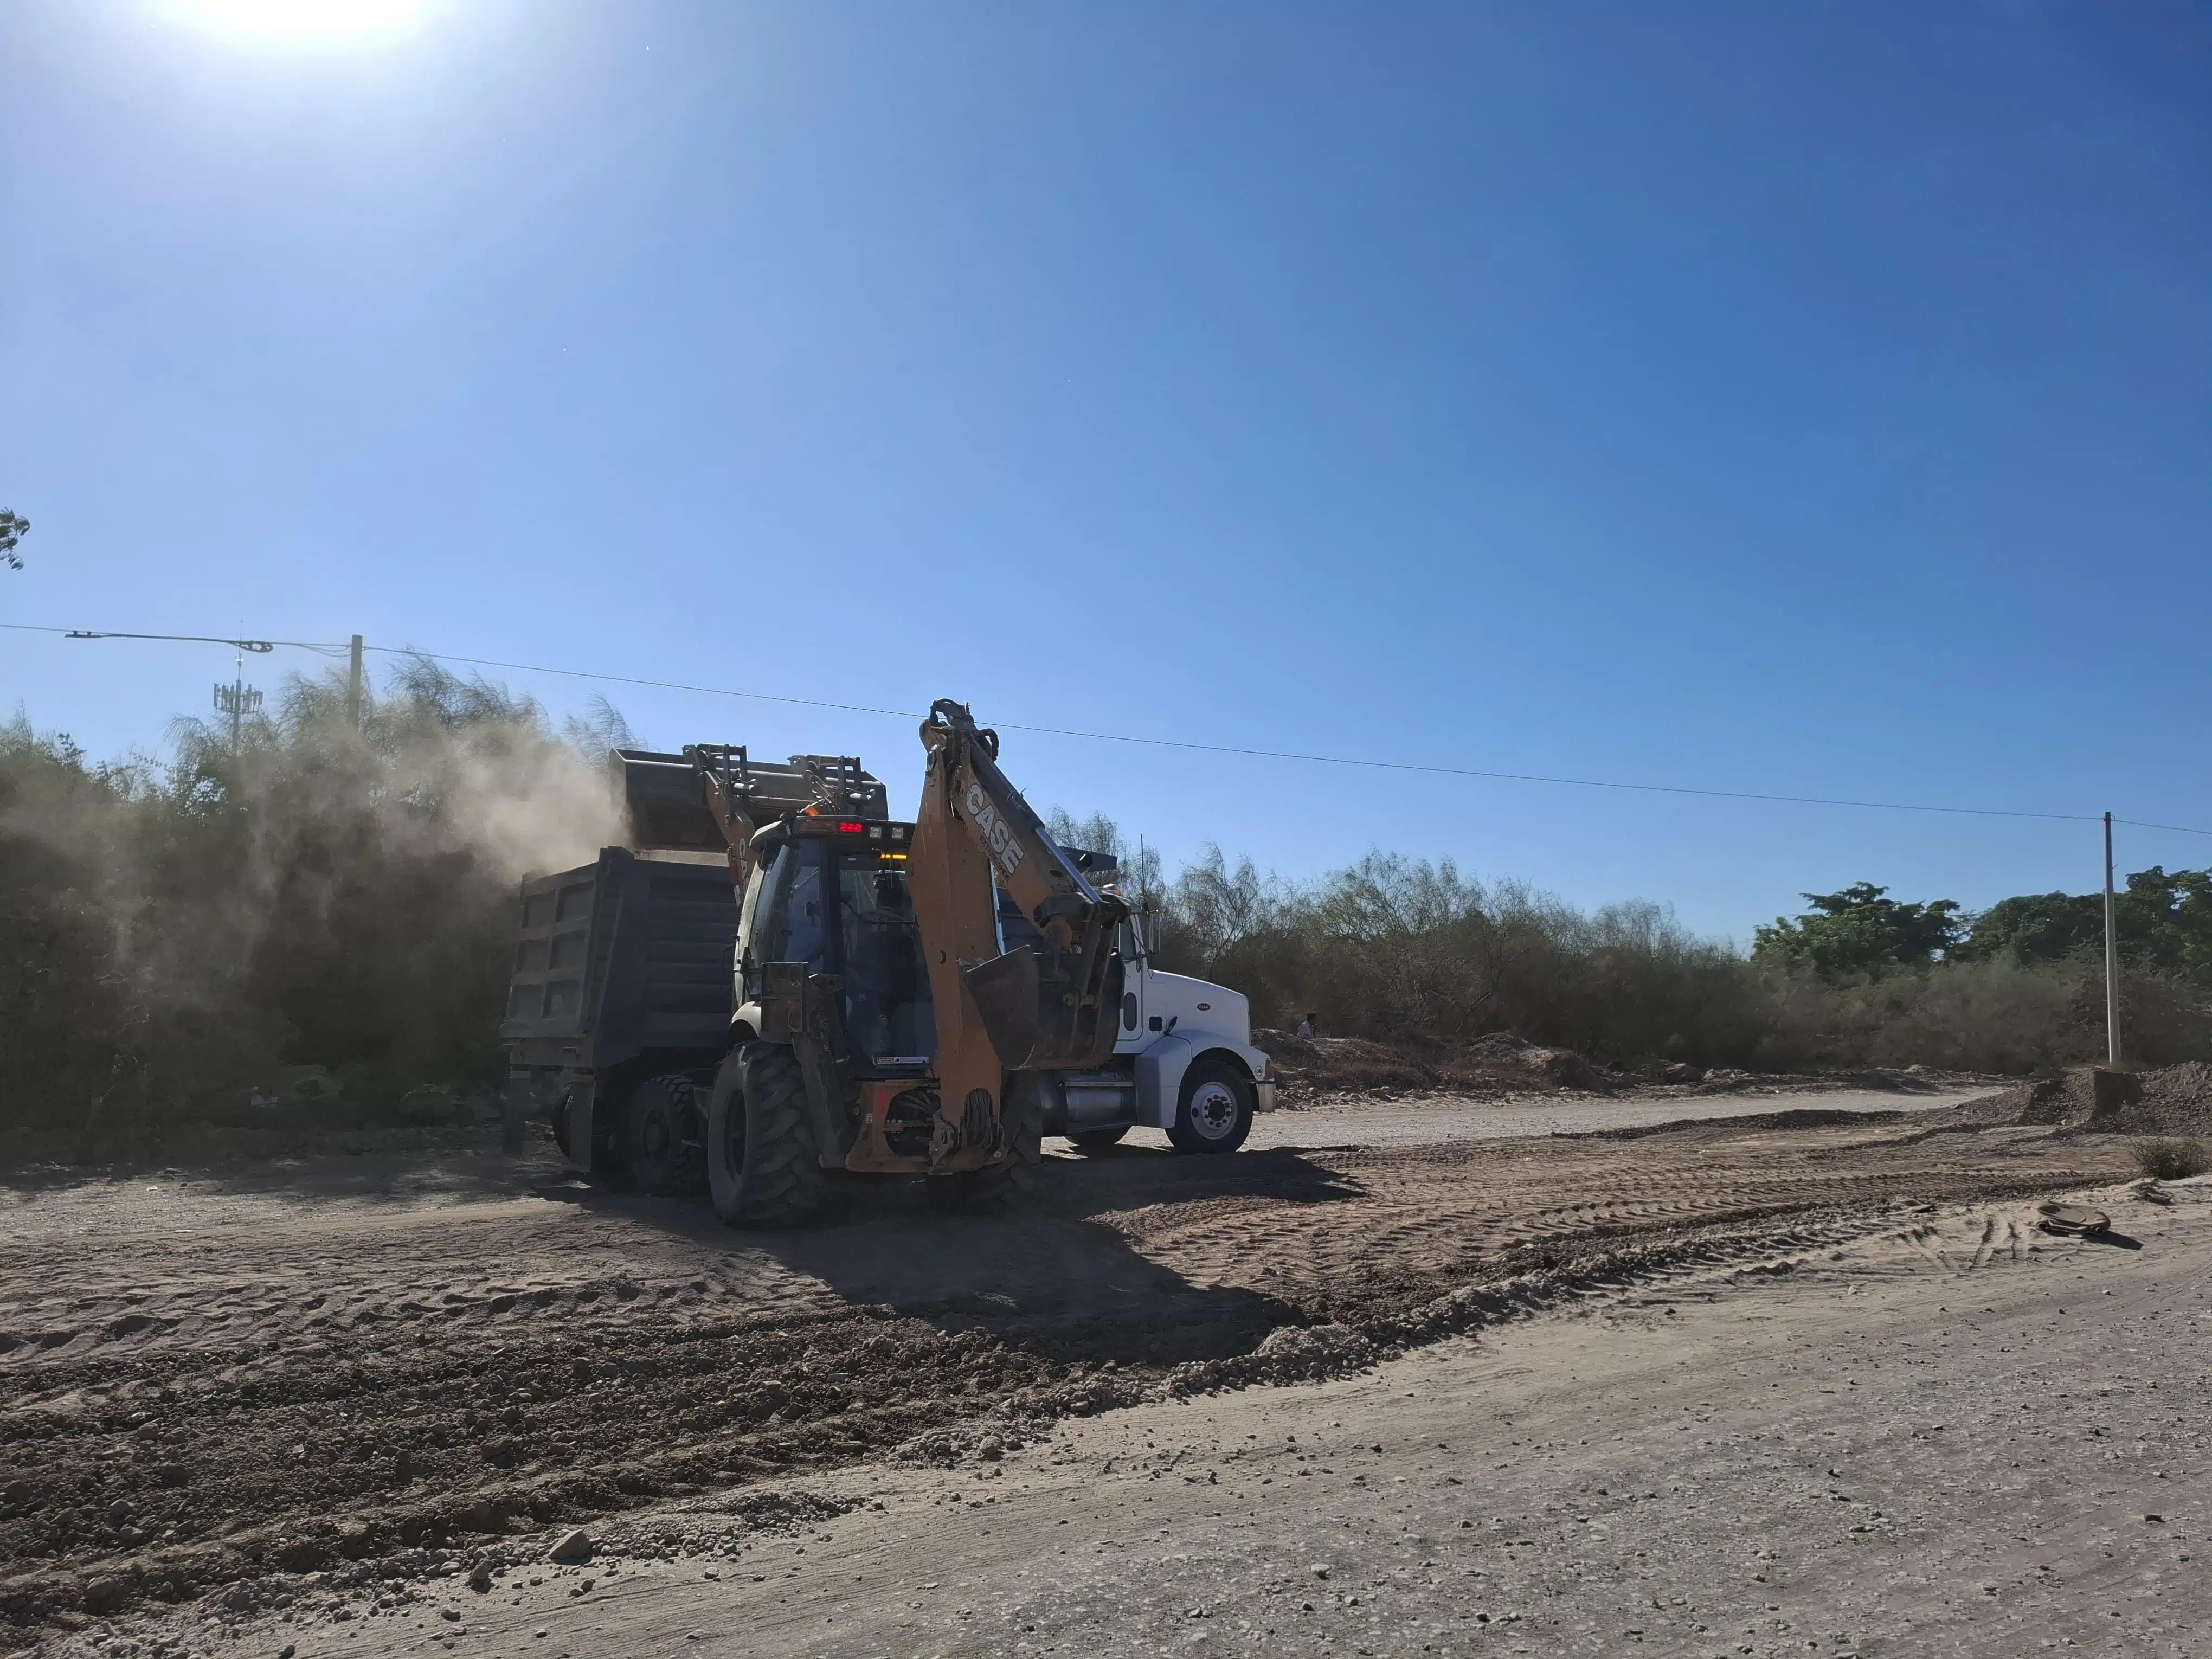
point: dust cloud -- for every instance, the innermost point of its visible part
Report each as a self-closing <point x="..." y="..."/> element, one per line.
<point x="175" y="931"/>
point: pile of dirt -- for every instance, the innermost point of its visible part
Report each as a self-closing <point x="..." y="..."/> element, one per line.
<point x="1290" y="1353"/>
<point x="1498" y="1063"/>
<point x="1310" y="1066"/>
<point x="2178" y="1099"/>
<point x="1504" y="1052"/>
<point x="2174" y="1100"/>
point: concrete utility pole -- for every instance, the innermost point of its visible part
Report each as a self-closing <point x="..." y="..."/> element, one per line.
<point x="352" y="686"/>
<point x="2112" y="958"/>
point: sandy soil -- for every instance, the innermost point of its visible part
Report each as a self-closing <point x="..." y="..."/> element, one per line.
<point x="241" y="1411"/>
<point x="1957" y="1435"/>
<point x="1413" y="1119"/>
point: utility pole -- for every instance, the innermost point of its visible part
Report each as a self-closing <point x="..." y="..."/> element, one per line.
<point x="2112" y="958"/>
<point x="352" y="686"/>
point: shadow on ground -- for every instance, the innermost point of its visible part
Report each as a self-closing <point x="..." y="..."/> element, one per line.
<point x="1051" y="1277"/>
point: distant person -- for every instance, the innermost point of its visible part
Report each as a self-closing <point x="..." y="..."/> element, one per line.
<point x="1306" y="1029"/>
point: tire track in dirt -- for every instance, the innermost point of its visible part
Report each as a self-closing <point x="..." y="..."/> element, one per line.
<point x="266" y="1379"/>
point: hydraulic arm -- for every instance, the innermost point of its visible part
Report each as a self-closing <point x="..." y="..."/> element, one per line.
<point x="1056" y="1007"/>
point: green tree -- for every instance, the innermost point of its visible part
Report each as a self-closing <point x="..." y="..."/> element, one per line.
<point x="2163" y="920"/>
<point x="2037" y="927"/>
<point x="1862" y="930"/>
<point x="13" y="527"/>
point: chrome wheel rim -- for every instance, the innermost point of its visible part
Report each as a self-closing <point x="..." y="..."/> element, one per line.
<point x="1213" y="1110"/>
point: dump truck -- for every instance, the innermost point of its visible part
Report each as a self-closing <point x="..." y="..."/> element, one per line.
<point x="841" y="933"/>
<point x="619" y="999"/>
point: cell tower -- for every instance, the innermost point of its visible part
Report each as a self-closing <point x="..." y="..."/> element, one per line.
<point x="237" y="700"/>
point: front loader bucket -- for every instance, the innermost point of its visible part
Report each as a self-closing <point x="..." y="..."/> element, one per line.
<point x="1038" y="1020"/>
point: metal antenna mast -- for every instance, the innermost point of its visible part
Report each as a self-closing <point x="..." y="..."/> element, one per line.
<point x="237" y="700"/>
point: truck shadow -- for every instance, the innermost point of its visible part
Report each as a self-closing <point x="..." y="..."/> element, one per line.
<point x="1129" y="1177"/>
<point x="1141" y="1256"/>
<point x="1055" y="1278"/>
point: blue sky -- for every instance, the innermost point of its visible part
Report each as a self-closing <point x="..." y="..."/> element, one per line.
<point x="1807" y="399"/>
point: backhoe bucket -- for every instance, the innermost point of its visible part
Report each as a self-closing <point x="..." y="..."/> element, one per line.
<point x="1037" y="1023"/>
<point x="1004" y="989"/>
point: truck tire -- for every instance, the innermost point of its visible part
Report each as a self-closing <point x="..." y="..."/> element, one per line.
<point x="1215" y="1112"/>
<point x="1002" y="1186"/>
<point x="1097" y="1140"/>
<point x="763" y="1170"/>
<point x="656" y="1141"/>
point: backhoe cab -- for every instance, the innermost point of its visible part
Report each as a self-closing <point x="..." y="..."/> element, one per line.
<point x="932" y="999"/>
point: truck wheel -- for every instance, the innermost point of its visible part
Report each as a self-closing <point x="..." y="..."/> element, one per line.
<point x="1097" y="1140"/>
<point x="761" y="1166"/>
<point x="656" y="1145"/>
<point x="1216" y="1112"/>
<point x="1003" y="1186"/>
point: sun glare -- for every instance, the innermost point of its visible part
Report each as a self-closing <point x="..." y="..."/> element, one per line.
<point x="309" y="21"/>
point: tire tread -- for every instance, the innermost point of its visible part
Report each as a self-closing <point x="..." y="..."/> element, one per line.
<point x="783" y="1182"/>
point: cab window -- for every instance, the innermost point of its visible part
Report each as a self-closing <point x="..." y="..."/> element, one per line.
<point x="795" y="911"/>
<point x="887" y="1003"/>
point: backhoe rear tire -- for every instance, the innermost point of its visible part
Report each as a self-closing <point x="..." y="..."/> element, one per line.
<point x="762" y="1168"/>
<point x="1002" y="1186"/>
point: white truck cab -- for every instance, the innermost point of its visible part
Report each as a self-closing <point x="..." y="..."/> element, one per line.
<point x="1187" y="1043"/>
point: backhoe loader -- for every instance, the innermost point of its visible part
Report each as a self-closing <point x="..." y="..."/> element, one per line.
<point x="929" y="999"/>
<point x="771" y="982"/>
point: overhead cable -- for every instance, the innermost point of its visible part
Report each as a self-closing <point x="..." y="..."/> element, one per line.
<point x="1187" y="744"/>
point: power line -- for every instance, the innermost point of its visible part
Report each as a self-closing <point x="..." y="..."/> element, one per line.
<point x="257" y="646"/>
<point x="1294" y="755"/>
<point x="1300" y="756"/>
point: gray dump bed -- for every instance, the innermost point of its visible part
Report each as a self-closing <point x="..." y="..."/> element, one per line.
<point x="620" y="959"/>
<point x="628" y="960"/>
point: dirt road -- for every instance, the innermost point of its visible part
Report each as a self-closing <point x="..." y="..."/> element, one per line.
<point x="1956" y="1436"/>
<point x="328" y="1384"/>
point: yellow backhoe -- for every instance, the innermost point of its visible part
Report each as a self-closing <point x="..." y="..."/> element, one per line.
<point x="911" y="996"/>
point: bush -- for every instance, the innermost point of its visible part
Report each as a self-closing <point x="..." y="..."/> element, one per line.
<point x="1989" y="1014"/>
<point x="2164" y="1159"/>
<point x="1395" y="948"/>
<point x="170" y="936"/>
<point x="1993" y="1015"/>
